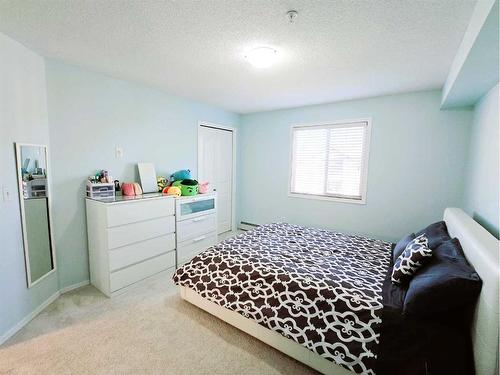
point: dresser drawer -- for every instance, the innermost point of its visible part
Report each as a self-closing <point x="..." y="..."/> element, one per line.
<point x="192" y="228"/>
<point x="188" y="249"/>
<point x="144" y="230"/>
<point x="133" y="212"/>
<point x="122" y="278"/>
<point x="137" y="252"/>
<point x="188" y="208"/>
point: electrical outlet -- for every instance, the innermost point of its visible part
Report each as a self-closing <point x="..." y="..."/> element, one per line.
<point x="119" y="152"/>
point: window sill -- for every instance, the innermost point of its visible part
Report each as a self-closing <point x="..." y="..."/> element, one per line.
<point x="328" y="198"/>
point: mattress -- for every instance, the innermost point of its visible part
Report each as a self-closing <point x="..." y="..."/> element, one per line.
<point x="322" y="289"/>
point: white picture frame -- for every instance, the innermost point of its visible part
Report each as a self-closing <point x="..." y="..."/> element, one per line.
<point x="147" y="176"/>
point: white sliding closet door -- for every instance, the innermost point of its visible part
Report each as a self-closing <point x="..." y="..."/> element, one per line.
<point x="215" y="165"/>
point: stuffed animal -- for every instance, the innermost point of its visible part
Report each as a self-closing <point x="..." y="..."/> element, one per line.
<point x="189" y="187"/>
<point x="184" y="174"/>
<point x="162" y="182"/>
<point x="131" y="188"/>
<point x="128" y="188"/>
<point x="203" y="187"/>
<point x="137" y="189"/>
<point x="172" y="190"/>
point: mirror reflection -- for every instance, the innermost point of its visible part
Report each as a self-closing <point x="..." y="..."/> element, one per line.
<point x="34" y="202"/>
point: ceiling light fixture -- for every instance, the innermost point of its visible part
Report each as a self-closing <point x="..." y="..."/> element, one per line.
<point x="292" y="15"/>
<point x="261" y="57"/>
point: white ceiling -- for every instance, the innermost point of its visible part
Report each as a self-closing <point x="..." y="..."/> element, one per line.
<point x="335" y="50"/>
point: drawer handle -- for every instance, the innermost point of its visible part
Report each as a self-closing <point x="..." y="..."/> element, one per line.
<point x="199" y="238"/>
<point x="196" y="219"/>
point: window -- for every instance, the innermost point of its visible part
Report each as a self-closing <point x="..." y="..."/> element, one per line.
<point x="330" y="161"/>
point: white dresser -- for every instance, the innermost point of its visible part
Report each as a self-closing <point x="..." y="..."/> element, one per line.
<point x="196" y="225"/>
<point x="130" y="239"/>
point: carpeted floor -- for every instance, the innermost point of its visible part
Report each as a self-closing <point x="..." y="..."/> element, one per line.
<point x="147" y="330"/>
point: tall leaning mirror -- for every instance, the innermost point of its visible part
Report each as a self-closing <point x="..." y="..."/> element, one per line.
<point x="34" y="200"/>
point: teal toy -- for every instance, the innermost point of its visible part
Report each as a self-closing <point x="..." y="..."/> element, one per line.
<point x="184" y="174"/>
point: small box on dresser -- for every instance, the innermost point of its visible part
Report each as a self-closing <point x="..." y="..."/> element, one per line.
<point x="130" y="239"/>
<point x="196" y="225"/>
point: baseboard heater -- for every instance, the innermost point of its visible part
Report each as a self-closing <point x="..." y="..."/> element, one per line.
<point x="245" y="225"/>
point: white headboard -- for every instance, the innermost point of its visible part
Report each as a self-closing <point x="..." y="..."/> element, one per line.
<point x="482" y="251"/>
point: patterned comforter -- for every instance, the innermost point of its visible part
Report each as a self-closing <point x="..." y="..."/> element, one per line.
<point x="319" y="288"/>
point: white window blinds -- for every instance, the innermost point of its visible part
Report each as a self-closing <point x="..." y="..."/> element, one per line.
<point x="330" y="160"/>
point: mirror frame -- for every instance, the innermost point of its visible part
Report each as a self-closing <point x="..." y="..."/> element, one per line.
<point x="19" y="164"/>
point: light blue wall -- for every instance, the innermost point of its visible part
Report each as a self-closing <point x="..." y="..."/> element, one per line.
<point x="482" y="179"/>
<point x="23" y="118"/>
<point x="416" y="166"/>
<point x="89" y="115"/>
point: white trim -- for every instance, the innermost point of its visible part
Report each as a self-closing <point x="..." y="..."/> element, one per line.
<point x="233" y="178"/>
<point x="48" y="193"/>
<point x="69" y="288"/>
<point x="364" y="168"/>
<point x="217" y="126"/>
<point x="11" y="332"/>
<point x="327" y="198"/>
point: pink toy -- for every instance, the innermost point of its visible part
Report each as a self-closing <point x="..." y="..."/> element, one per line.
<point x="203" y="187"/>
<point x="128" y="188"/>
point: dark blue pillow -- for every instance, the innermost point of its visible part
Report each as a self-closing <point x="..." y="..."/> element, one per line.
<point x="401" y="246"/>
<point x="446" y="283"/>
<point x="436" y="234"/>
<point x="451" y="248"/>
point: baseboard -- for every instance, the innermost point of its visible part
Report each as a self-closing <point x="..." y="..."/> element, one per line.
<point x="69" y="288"/>
<point x="11" y="332"/>
<point x="244" y="225"/>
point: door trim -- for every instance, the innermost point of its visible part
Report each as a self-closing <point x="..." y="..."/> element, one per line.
<point x="233" y="177"/>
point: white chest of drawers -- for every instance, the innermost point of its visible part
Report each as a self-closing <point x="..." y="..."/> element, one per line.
<point x="196" y="225"/>
<point x="129" y="240"/>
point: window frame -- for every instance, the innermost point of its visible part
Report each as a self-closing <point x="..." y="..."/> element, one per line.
<point x="364" y="168"/>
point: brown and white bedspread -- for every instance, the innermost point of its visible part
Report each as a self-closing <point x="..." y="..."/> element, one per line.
<point x="319" y="288"/>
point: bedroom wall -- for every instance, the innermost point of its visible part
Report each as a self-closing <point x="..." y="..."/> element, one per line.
<point x="23" y="118"/>
<point x="89" y="115"/>
<point x="416" y="165"/>
<point x="481" y="199"/>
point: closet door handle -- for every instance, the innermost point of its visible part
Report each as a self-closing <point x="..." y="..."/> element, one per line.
<point x="198" y="239"/>
<point x="196" y="219"/>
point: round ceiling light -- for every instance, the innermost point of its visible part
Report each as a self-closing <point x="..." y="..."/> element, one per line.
<point x="261" y="57"/>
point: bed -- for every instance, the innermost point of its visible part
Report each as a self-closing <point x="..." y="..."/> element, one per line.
<point x="357" y="294"/>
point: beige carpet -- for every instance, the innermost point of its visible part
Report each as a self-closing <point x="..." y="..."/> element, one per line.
<point x="147" y="330"/>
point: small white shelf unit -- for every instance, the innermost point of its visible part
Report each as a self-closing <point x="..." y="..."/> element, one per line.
<point x="196" y="225"/>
